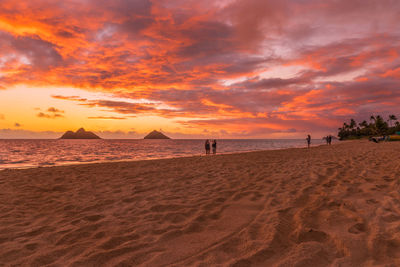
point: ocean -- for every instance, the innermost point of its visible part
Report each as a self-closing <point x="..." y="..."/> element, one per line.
<point x="26" y="153"/>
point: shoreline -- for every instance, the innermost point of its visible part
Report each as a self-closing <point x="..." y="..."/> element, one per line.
<point x="197" y="155"/>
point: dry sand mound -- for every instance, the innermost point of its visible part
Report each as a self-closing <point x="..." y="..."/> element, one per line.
<point x="337" y="205"/>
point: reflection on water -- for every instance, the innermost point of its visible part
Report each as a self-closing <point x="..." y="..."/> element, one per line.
<point x="33" y="153"/>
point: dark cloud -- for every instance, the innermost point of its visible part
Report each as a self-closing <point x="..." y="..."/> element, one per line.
<point x="65" y="34"/>
<point x="124" y="8"/>
<point x="271" y="83"/>
<point x="73" y="98"/>
<point x="208" y="39"/>
<point x="54" y="110"/>
<point x="253" y="18"/>
<point x="36" y="52"/>
<point x="116" y="106"/>
<point x="52" y="113"/>
<point x="49" y="116"/>
<point x="120" y="106"/>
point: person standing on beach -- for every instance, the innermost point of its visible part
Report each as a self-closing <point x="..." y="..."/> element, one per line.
<point x="308" y="140"/>
<point x="329" y="139"/>
<point x="214" y="146"/>
<point x="207" y="146"/>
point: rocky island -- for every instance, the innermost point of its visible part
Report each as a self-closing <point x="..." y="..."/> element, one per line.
<point x="80" y="134"/>
<point x="156" y="135"/>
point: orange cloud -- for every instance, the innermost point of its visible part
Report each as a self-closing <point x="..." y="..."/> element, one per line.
<point x="53" y="113"/>
<point x="395" y="73"/>
<point x="107" y="118"/>
<point x="49" y="116"/>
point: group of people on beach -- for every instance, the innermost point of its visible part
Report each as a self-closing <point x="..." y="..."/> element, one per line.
<point x="208" y="147"/>
<point x="328" y="139"/>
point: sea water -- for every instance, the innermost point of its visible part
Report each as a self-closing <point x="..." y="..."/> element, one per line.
<point x="25" y="153"/>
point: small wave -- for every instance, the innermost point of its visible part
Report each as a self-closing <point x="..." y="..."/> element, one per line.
<point x="46" y="163"/>
<point x="76" y="159"/>
<point x="90" y="160"/>
<point x="112" y="158"/>
<point x="18" y="162"/>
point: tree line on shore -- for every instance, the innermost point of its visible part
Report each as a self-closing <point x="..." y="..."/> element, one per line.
<point x="376" y="126"/>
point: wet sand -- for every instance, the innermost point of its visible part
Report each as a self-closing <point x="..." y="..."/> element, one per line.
<point x="337" y="205"/>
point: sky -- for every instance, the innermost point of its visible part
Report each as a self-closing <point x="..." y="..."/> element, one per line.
<point x="196" y="69"/>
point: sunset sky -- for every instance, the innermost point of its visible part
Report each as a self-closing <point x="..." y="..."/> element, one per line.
<point x="196" y="69"/>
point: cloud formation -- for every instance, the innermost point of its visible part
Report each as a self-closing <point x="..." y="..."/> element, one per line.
<point x="107" y="118"/>
<point x="54" y="110"/>
<point x="274" y="66"/>
<point x="52" y="113"/>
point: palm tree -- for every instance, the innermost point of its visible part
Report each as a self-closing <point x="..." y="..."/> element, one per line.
<point x="392" y="118"/>
<point x="372" y="118"/>
<point x="352" y="124"/>
<point x="381" y="125"/>
<point x="363" y="124"/>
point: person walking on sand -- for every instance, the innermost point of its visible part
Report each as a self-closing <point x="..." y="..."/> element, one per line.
<point x="308" y="140"/>
<point x="214" y="146"/>
<point x="207" y="146"/>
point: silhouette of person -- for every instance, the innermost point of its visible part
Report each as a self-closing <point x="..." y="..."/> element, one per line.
<point x="207" y="146"/>
<point x="214" y="146"/>
<point x="329" y="139"/>
<point x="308" y="140"/>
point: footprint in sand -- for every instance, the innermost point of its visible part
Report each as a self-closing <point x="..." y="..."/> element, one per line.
<point x="393" y="248"/>
<point x="388" y="179"/>
<point x="391" y="218"/>
<point x="358" y="228"/>
<point x="382" y="186"/>
<point x="312" y="235"/>
<point x="372" y="201"/>
<point x="93" y="218"/>
<point x="31" y="246"/>
<point x="330" y="184"/>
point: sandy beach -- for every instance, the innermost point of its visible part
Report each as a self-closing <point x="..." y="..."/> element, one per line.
<point x="333" y="205"/>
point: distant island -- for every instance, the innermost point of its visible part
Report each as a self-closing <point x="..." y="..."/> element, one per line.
<point x="377" y="126"/>
<point x="156" y="135"/>
<point x="80" y="134"/>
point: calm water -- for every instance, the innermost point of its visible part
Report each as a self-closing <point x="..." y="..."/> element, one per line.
<point x="32" y="153"/>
